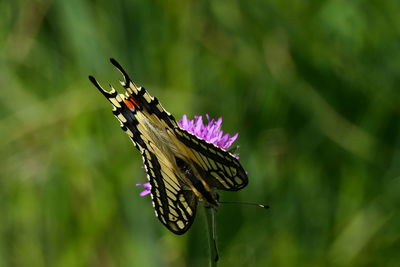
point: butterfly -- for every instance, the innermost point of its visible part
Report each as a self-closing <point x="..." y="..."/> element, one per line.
<point x="182" y="168"/>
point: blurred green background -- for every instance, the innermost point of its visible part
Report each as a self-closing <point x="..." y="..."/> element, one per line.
<point x="312" y="87"/>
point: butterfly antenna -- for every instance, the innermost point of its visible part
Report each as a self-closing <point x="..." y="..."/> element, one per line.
<point x="245" y="203"/>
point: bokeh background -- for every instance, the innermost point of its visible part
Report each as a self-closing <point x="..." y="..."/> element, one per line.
<point x="312" y="87"/>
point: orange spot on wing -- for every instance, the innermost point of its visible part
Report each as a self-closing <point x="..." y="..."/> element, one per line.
<point x="131" y="103"/>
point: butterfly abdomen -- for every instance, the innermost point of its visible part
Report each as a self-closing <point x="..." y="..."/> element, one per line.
<point x="191" y="175"/>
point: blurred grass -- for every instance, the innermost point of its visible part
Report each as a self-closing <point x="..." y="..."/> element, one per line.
<point x="312" y="87"/>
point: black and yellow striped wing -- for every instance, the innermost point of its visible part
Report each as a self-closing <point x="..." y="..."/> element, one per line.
<point x="219" y="168"/>
<point x="180" y="167"/>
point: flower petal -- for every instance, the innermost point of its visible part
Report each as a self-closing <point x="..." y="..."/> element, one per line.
<point x="210" y="132"/>
<point x="147" y="188"/>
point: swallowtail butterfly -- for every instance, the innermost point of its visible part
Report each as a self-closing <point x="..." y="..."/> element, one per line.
<point x="181" y="168"/>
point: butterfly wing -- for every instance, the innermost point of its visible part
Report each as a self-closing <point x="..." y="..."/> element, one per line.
<point x="174" y="205"/>
<point x="218" y="168"/>
<point x="141" y="117"/>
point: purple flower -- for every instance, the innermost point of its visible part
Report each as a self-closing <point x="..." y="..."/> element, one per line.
<point x="211" y="132"/>
<point x="146" y="189"/>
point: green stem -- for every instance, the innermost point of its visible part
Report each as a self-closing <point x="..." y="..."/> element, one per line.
<point x="210" y="216"/>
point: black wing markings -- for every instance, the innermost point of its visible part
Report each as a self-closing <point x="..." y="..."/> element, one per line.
<point x="125" y="116"/>
<point x="175" y="209"/>
<point x="174" y="206"/>
<point x="145" y="100"/>
<point x="220" y="169"/>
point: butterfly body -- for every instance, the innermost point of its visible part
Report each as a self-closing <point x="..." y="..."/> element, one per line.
<point x="181" y="167"/>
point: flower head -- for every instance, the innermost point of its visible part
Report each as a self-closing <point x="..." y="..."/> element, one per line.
<point x="211" y="132"/>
